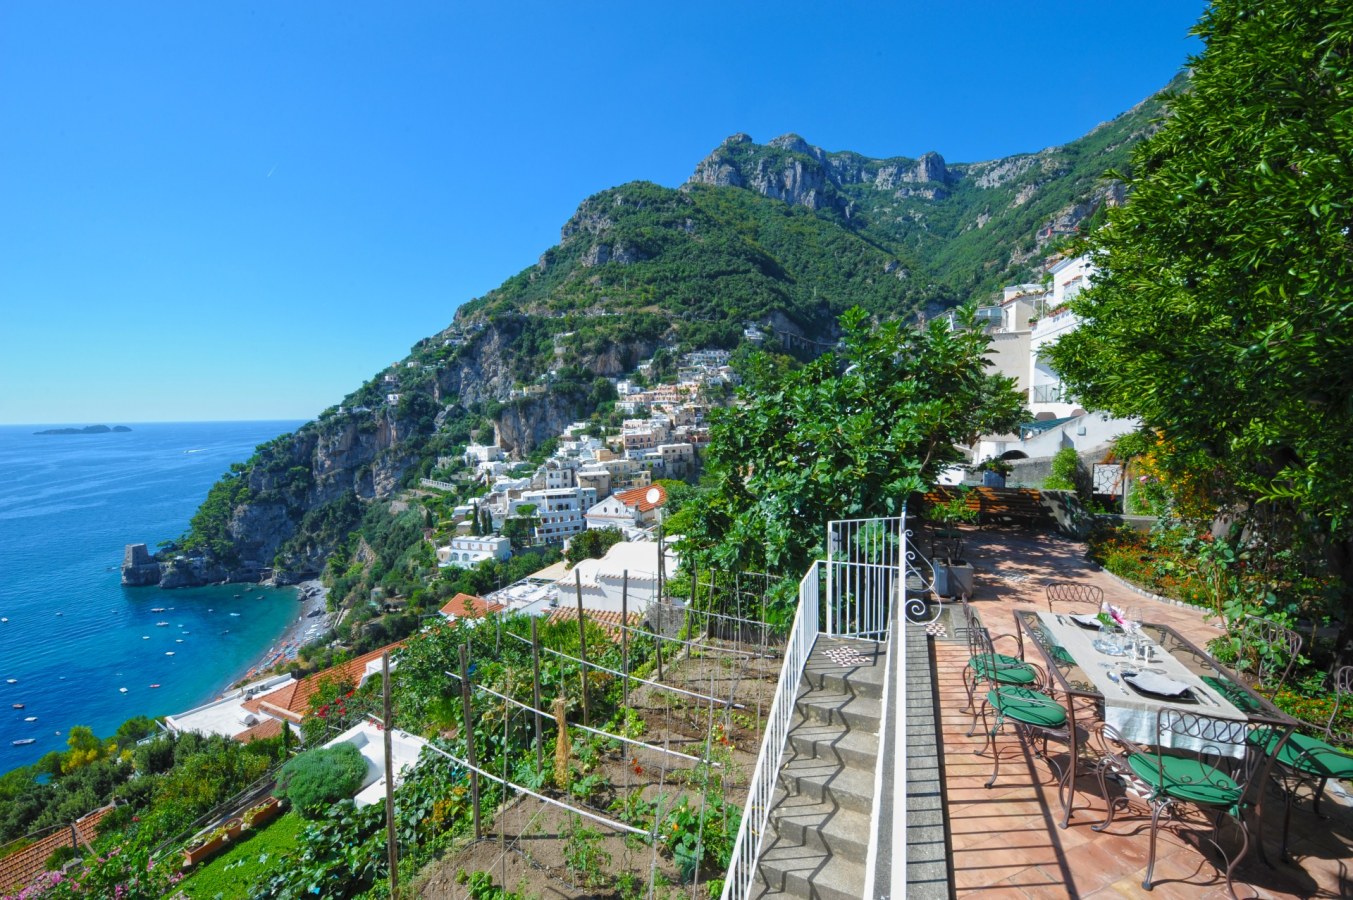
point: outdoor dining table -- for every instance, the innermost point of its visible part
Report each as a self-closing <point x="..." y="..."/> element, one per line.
<point x="1081" y="672"/>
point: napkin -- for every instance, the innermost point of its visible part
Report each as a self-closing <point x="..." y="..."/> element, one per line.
<point x="1087" y="621"/>
<point x="1157" y="684"/>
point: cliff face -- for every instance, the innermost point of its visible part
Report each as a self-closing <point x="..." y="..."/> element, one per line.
<point x="784" y="236"/>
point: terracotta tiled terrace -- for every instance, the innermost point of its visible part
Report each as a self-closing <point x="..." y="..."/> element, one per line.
<point x="1007" y="840"/>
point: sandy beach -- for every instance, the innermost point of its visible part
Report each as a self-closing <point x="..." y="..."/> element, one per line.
<point x="312" y="621"/>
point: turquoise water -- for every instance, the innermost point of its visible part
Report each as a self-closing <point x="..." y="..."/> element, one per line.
<point x="75" y="635"/>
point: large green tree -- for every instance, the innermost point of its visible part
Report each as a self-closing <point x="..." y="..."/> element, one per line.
<point x="1222" y="314"/>
<point x="848" y="436"/>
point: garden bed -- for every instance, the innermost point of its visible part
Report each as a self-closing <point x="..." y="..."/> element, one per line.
<point x="232" y="874"/>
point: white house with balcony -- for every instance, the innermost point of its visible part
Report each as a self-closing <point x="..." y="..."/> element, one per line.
<point x="467" y="552"/>
<point x="1047" y="398"/>
<point x="560" y="511"/>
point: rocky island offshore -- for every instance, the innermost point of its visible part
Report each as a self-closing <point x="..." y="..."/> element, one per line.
<point x="88" y="429"/>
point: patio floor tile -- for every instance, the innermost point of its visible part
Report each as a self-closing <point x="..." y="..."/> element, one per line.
<point x="1007" y="841"/>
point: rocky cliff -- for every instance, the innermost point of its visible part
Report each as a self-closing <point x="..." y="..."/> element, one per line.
<point x="782" y="236"/>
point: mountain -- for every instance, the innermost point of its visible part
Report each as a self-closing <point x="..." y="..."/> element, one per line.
<point x="783" y="235"/>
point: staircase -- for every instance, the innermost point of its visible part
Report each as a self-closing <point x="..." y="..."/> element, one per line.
<point x="819" y="832"/>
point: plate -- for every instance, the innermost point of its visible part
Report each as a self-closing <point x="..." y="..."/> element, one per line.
<point x="1085" y="621"/>
<point x="1157" y="685"/>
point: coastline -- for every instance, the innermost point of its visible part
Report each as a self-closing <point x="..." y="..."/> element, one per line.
<point x="312" y="620"/>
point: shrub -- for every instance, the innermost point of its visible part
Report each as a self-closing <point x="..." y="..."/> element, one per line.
<point x="1068" y="474"/>
<point x="319" y="778"/>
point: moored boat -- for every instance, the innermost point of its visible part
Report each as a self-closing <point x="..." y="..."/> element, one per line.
<point x="24" y="741"/>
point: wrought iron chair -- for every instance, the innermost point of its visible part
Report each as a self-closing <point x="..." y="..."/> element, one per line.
<point x="995" y="667"/>
<point x="1311" y="757"/>
<point x="1035" y="717"/>
<point x="1215" y="776"/>
<point x="1072" y="592"/>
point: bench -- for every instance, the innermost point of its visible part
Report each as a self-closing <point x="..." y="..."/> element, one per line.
<point x="1000" y="506"/>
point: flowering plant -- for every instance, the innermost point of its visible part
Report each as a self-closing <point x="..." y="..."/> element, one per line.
<point x="1112" y="616"/>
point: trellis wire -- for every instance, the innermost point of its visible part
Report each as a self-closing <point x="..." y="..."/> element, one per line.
<point x="656" y="684"/>
<point x="595" y="817"/>
<point x="597" y="731"/>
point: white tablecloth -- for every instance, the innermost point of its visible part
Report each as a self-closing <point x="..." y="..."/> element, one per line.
<point x="1133" y="715"/>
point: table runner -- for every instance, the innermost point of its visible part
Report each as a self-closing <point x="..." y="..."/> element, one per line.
<point x="1132" y="714"/>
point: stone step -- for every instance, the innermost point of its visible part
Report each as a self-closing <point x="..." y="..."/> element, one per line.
<point x="831" y="743"/>
<point x="847" y="666"/>
<point x="787" y="869"/>
<point x="822" y="826"/>
<point x="822" y="781"/>
<point x="829" y="707"/>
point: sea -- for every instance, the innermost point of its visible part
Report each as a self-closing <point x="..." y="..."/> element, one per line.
<point x="78" y="648"/>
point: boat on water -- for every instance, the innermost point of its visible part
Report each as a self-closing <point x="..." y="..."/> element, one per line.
<point x="24" y="741"/>
<point x="169" y="653"/>
<point x="157" y="609"/>
<point x="11" y="681"/>
<point x="234" y="614"/>
<point x="4" y="618"/>
<point x="154" y="685"/>
<point x="122" y="690"/>
<point x="30" y="718"/>
<point x="145" y="637"/>
<point x="161" y="624"/>
<point x="18" y="706"/>
<point x="178" y="640"/>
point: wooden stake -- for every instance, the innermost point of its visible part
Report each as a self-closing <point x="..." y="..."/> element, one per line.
<point x="625" y="635"/>
<point x="535" y="695"/>
<point x="468" y="725"/>
<point x="582" y="642"/>
<point x="391" y="840"/>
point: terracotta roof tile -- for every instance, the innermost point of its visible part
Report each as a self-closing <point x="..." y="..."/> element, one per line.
<point x="468" y="606"/>
<point x="608" y="620"/>
<point x="268" y="728"/>
<point x="292" y="701"/>
<point x="636" y="497"/>
<point x="19" y="870"/>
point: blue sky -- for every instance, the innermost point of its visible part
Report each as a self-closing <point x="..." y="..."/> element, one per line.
<point x="242" y="211"/>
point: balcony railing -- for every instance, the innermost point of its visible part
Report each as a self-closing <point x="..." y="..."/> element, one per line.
<point x="1047" y="393"/>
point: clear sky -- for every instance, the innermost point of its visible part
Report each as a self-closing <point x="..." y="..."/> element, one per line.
<point x="243" y="210"/>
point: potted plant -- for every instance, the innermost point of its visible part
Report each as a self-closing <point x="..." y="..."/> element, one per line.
<point x="994" y="471"/>
<point x="953" y="574"/>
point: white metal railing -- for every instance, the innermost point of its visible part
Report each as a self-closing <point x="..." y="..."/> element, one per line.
<point x="864" y="573"/>
<point x="761" y="791"/>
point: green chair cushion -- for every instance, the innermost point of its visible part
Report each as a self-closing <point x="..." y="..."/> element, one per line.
<point x="1028" y="707"/>
<point x="1186" y="778"/>
<point x="1008" y="669"/>
<point x="1238" y="698"/>
<point x="1307" y="754"/>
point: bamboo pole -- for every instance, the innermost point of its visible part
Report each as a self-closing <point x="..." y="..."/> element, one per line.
<point x="468" y="725"/>
<point x="391" y="836"/>
<point x="582" y="643"/>
<point x="535" y="695"/>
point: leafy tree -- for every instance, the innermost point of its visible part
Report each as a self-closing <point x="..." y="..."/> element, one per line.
<point x="843" y="438"/>
<point x="1222" y="316"/>
<point x="520" y="528"/>
<point x="592" y="544"/>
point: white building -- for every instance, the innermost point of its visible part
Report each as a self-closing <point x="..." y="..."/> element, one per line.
<point x="627" y="510"/>
<point x="603" y="580"/>
<point x="1047" y="399"/>
<point x="1059" y="420"/>
<point x="466" y="552"/>
<point x="559" y="511"/>
<point x="482" y="453"/>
